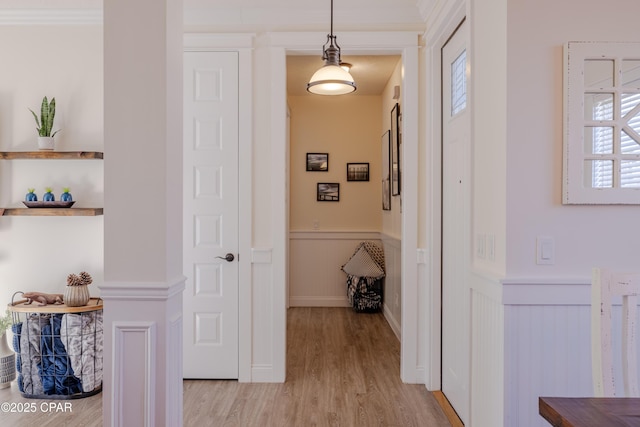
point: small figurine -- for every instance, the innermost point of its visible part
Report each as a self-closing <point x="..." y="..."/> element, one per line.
<point x="43" y="298"/>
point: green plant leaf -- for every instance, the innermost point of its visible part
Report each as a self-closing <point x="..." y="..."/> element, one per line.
<point x="36" y="118"/>
<point x="44" y="117"/>
<point x="51" y="111"/>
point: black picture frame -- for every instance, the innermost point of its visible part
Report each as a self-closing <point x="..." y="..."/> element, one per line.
<point x="386" y="167"/>
<point x="357" y="171"/>
<point x="328" y="192"/>
<point x="396" y="175"/>
<point x="317" y="162"/>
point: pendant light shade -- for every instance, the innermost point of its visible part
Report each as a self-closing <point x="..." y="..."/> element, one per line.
<point x="332" y="78"/>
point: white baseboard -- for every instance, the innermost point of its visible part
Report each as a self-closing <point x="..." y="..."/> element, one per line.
<point x="395" y="325"/>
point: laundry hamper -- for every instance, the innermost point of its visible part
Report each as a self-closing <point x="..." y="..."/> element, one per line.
<point x="365" y="278"/>
<point x="58" y="349"/>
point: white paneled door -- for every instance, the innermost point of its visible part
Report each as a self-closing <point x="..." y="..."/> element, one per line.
<point x="211" y="214"/>
<point x="456" y="198"/>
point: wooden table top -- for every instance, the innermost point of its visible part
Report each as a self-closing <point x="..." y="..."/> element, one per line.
<point x="590" y="411"/>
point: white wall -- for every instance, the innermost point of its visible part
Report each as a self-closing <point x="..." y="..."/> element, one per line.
<point x="517" y="196"/>
<point x="585" y="236"/>
<point x="65" y="62"/>
<point x="547" y="328"/>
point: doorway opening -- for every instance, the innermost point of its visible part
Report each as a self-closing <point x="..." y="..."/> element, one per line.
<point x="343" y="130"/>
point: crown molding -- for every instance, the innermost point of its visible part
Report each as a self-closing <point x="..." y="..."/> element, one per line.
<point x="426" y="8"/>
<point x="50" y="17"/>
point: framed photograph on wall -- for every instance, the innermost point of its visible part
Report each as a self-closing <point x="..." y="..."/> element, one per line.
<point x="328" y="192"/>
<point x="317" y="162"/>
<point x="395" y="150"/>
<point x="386" y="177"/>
<point x="357" y="171"/>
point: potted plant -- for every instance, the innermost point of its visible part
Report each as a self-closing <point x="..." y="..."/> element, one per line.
<point x="45" y="123"/>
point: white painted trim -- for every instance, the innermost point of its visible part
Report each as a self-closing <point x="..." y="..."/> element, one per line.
<point x="148" y="330"/>
<point x="411" y="329"/>
<point x="262" y="373"/>
<point x="426" y="8"/>
<point x="227" y="42"/>
<point x="50" y="17"/>
<point x="405" y="43"/>
<point x="334" y="235"/>
<point x="261" y="256"/>
<point x="422" y="256"/>
<point x="319" y="302"/>
<point x="546" y="294"/>
<point x="388" y="42"/>
<point x="443" y="20"/>
<point x="147" y="291"/>
<point x="245" y="205"/>
<point x="280" y="209"/>
<point x="175" y="415"/>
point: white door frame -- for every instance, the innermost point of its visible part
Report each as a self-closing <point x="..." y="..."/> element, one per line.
<point x="413" y="363"/>
<point x="243" y="44"/>
<point x="445" y="22"/>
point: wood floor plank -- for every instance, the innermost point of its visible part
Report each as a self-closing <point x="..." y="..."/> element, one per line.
<point x="343" y="369"/>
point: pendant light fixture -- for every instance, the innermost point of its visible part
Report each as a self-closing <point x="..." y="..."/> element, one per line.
<point x="332" y="78"/>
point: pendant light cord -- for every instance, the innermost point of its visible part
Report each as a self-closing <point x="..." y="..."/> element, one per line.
<point x="331" y="18"/>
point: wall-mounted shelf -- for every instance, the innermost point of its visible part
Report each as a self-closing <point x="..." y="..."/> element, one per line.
<point x="51" y="211"/>
<point x="51" y="155"/>
<point x="12" y="155"/>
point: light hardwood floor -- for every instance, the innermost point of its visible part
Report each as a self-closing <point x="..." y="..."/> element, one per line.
<point x="343" y="369"/>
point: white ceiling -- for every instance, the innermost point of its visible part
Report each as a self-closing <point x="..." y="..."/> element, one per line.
<point x="268" y="15"/>
<point x="370" y="72"/>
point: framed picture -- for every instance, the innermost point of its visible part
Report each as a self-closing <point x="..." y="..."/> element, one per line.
<point x="317" y="162"/>
<point x="386" y="164"/>
<point x="357" y="171"/>
<point x="395" y="150"/>
<point x="328" y="192"/>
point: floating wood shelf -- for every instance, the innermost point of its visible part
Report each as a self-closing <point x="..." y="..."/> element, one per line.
<point x="12" y="155"/>
<point x="51" y="211"/>
<point x="44" y="154"/>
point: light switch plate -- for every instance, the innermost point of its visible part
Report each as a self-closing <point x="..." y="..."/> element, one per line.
<point x="545" y="251"/>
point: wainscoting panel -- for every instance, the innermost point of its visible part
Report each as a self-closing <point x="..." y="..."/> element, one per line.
<point x="262" y="357"/>
<point x="548" y="349"/>
<point x="135" y="386"/>
<point x="393" y="283"/>
<point x="315" y="258"/>
<point x="487" y="363"/>
<point x="549" y="354"/>
<point x="175" y="338"/>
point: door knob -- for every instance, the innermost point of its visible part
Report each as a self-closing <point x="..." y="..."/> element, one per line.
<point x="228" y="257"/>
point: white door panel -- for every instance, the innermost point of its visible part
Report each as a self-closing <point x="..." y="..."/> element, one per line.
<point x="210" y="214"/>
<point x="456" y="198"/>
